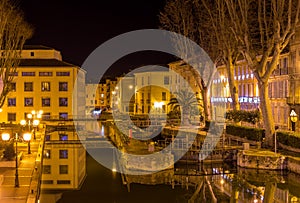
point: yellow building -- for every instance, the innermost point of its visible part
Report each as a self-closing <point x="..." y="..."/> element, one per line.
<point x="248" y="90"/>
<point x="43" y="81"/>
<point x="64" y="160"/>
<point x="152" y="91"/>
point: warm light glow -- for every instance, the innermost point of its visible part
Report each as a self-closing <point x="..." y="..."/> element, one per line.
<point x="113" y="92"/>
<point x="27" y="136"/>
<point x="255" y="201"/>
<point x="222" y="181"/>
<point x="114" y="170"/>
<point x="294" y="116"/>
<point x="102" y="95"/>
<point x="130" y="86"/>
<point x="158" y="104"/>
<point x="36" y="122"/>
<point x="222" y="77"/>
<point x="117" y="88"/>
<point x="5" y="136"/>
<point x="29" y="115"/>
<point x="1" y="110"/>
<point x="23" y="122"/>
<point x="41" y="112"/>
<point x="39" y="116"/>
<point x="33" y="112"/>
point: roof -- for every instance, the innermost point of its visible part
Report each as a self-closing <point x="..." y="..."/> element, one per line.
<point x="150" y="68"/>
<point x="44" y="62"/>
<point x="36" y="47"/>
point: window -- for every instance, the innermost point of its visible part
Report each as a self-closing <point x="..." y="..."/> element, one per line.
<point x="63" y="182"/>
<point x="47" y="154"/>
<point x="46" y="169"/>
<point x="63" y="154"/>
<point x="28" y="101"/>
<point x="12" y="86"/>
<point x="28" y="73"/>
<point x="46" y="116"/>
<point x="28" y="86"/>
<point x="45" y="86"/>
<point x="63" y="137"/>
<point x="63" y="86"/>
<point x="63" y="73"/>
<point x="166" y="80"/>
<point x="45" y="73"/>
<point x="11" y="102"/>
<point x="47" y="182"/>
<point x="164" y="96"/>
<point x="32" y="53"/>
<point x="47" y="137"/>
<point x="46" y="101"/>
<point x="63" y="101"/>
<point x="11" y="117"/>
<point x="63" y="115"/>
<point x="13" y="74"/>
<point x="63" y="169"/>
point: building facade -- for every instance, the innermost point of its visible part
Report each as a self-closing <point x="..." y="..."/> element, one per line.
<point x="64" y="160"/>
<point x="43" y="81"/>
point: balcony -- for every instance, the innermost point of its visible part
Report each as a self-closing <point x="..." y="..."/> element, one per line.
<point x="293" y="100"/>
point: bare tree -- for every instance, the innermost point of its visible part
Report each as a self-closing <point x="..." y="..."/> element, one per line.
<point x="178" y="16"/>
<point x="13" y="33"/>
<point x="215" y="24"/>
<point x="263" y="29"/>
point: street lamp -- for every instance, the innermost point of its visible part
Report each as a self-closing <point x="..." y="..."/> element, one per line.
<point x="6" y="137"/>
<point x="294" y="119"/>
<point x="35" y="123"/>
<point x="27" y="138"/>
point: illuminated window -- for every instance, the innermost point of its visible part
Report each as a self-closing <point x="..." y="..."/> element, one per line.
<point x="28" y="73"/>
<point x="63" y="154"/>
<point x="67" y="73"/>
<point x="28" y="86"/>
<point x="28" y="101"/>
<point x="45" y="86"/>
<point x="63" y="86"/>
<point x="45" y="101"/>
<point x="63" y="101"/>
<point x="45" y="73"/>
<point x="11" y="102"/>
<point x="63" y="115"/>
<point x="47" y="154"/>
<point x="63" y="137"/>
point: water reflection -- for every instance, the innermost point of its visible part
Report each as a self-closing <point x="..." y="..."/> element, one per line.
<point x="200" y="182"/>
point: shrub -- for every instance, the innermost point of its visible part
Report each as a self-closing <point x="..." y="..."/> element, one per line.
<point x="242" y="115"/>
<point x="9" y="151"/>
<point x="255" y="134"/>
<point x="289" y="138"/>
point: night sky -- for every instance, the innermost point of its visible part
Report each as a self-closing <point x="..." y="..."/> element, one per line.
<point x="77" y="28"/>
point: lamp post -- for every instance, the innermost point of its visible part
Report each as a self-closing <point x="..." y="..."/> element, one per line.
<point x="27" y="138"/>
<point x="16" y="139"/>
<point x="275" y="138"/>
<point x="294" y="119"/>
<point x="6" y="137"/>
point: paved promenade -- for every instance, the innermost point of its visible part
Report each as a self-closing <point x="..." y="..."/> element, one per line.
<point x="27" y="170"/>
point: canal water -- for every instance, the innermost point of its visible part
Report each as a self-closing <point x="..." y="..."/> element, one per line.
<point x="105" y="186"/>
